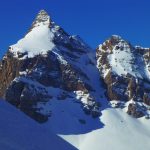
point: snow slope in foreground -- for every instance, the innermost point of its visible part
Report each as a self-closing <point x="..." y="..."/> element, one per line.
<point x="18" y="132"/>
<point x="120" y="132"/>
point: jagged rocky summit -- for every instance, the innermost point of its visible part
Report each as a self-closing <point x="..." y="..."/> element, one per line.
<point x="49" y="67"/>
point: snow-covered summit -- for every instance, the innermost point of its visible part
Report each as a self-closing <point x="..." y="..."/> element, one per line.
<point x="44" y="36"/>
<point x="121" y="56"/>
<point x="38" y="41"/>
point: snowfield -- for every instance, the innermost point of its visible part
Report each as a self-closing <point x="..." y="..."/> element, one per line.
<point x="19" y="132"/>
<point x="113" y="130"/>
<point x="120" y="132"/>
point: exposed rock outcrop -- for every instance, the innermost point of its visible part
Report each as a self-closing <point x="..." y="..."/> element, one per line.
<point x="134" y="110"/>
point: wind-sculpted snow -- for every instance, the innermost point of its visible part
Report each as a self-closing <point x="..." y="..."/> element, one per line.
<point x="120" y="132"/>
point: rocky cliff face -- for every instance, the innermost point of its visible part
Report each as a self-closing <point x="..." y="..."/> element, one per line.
<point x="48" y="65"/>
<point x="45" y="62"/>
<point x="125" y="70"/>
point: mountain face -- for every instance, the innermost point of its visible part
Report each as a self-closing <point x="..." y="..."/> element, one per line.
<point x="125" y="70"/>
<point x="49" y="64"/>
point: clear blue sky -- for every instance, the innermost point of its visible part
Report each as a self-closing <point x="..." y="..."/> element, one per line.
<point x="93" y="20"/>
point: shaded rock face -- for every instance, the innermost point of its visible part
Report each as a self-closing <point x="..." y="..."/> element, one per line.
<point x="134" y="110"/>
<point x="25" y="97"/>
<point x="125" y="71"/>
<point x="47" y="71"/>
<point x="26" y="81"/>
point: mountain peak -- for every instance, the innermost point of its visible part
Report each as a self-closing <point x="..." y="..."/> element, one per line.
<point x="42" y="14"/>
<point x="39" y="39"/>
<point x="116" y="40"/>
<point x="117" y="37"/>
<point x="41" y="18"/>
<point x="42" y="11"/>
